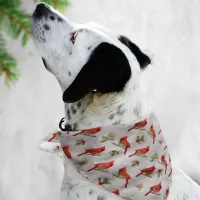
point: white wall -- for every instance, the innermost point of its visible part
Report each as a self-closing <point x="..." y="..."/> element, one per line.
<point x="168" y="29"/>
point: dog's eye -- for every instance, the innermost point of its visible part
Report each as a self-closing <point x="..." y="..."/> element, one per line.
<point x="73" y="37"/>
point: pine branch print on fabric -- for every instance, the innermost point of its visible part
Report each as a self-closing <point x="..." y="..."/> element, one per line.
<point x="105" y="138"/>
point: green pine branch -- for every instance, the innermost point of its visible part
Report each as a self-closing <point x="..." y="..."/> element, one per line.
<point x="8" y="66"/>
<point x="15" y="23"/>
<point x="10" y="4"/>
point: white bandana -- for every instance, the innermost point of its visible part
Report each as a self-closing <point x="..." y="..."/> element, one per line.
<point x="129" y="160"/>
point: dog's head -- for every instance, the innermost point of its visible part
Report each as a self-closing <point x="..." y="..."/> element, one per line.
<point x="84" y="58"/>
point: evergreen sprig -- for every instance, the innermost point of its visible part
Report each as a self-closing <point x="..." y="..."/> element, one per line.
<point x="16" y="24"/>
<point x="8" y="66"/>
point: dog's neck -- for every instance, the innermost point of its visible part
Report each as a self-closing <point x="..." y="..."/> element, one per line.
<point x="97" y="109"/>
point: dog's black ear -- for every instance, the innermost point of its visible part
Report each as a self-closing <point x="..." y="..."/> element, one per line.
<point x="142" y="58"/>
<point x="107" y="70"/>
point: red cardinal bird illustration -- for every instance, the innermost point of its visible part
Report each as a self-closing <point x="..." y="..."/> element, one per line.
<point x="89" y="132"/>
<point x="167" y="192"/>
<point x="147" y="171"/>
<point x="164" y="163"/>
<point x="152" y="133"/>
<point x="124" y="175"/>
<point x="67" y="152"/>
<point x="93" y="151"/>
<point x="116" y="192"/>
<point x="140" y="152"/>
<point x="139" y="125"/>
<point x="124" y="143"/>
<point x="102" y="166"/>
<point x="154" y="189"/>
<point x="54" y="136"/>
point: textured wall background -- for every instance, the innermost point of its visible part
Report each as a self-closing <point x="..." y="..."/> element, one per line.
<point x="169" y="30"/>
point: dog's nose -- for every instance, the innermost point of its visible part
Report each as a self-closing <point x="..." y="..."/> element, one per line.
<point x="41" y="9"/>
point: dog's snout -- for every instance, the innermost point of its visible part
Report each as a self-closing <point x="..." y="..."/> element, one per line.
<point x="41" y="9"/>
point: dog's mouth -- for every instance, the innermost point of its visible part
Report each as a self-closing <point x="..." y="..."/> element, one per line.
<point x="73" y="36"/>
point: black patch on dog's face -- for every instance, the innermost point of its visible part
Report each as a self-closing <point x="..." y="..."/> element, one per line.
<point x="106" y="71"/>
<point x="101" y="197"/>
<point x="142" y="58"/>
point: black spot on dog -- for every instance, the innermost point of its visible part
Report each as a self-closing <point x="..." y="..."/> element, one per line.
<point x="71" y="127"/>
<point x="117" y="122"/>
<point x="71" y="187"/>
<point x="78" y="104"/>
<point x="75" y="127"/>
<point x="77" y="195"/>
<point x="119" y="107"/>
<point x="70" y="53"/>
<point x="52" y="18"/>
<point x="101" y="197"/>
<point x="68" y="127"/>
<point x="68" y="114"/>
<point x="73" y="109"/>
<point x="59" y="19"/>
<point x="82" y="111"/>
<point x="69" y="73"/>
<point x="46" y="27"/>
<point x="42" y="39"/>
<point x="89" y="48"/>
<point x="91" y="192"/>
<point x="112" y="116"/>
<point x="120" y="111"/>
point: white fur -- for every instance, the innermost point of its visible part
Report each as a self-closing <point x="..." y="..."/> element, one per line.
<point x="64" y="57"/>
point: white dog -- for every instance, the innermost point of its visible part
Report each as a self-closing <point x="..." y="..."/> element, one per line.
<point x="99" y="74"/>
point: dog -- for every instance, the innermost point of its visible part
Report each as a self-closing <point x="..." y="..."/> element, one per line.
<point x="99" y="74"/>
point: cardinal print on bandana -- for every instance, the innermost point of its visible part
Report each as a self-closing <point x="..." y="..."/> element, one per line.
<point x="130" y="160"/>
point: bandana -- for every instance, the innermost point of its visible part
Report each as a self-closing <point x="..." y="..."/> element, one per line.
<point x="129" y="160"/>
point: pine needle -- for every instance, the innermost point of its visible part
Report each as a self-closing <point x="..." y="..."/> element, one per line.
<point x="8" y="66"/>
